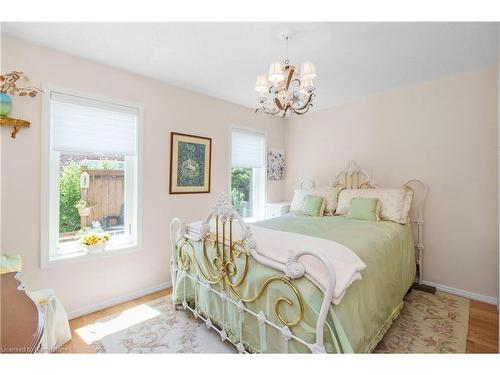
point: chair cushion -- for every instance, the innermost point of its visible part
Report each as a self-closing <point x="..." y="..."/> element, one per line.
<point x="10" y="263"/>
<point x="42" y="296"/>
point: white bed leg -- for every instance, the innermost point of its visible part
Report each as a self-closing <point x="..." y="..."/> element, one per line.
<point x="261" y="317"/>
<point x="223" y="334"/>
<point x="287" y="335"/>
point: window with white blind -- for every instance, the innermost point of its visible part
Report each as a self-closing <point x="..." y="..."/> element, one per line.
<point x="248" y="172"/>
<point x="91" y="176"/>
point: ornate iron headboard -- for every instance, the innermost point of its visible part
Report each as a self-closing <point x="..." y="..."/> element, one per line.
<point x="354" y="177"/>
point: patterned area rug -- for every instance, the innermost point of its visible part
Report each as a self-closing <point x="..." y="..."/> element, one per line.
<point x="428" y="324"/>
<point x="163" y="330"/>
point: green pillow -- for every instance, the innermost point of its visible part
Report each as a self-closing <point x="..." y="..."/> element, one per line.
<point x="364" y="209"/>
<point x="312" y="205"/>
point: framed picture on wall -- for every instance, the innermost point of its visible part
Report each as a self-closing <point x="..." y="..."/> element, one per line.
<point x="190" y="159"/>
<point x="275" y="164"/>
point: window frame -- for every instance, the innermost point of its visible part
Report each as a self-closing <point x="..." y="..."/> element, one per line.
<point x="263" y="183"/>
<point x="50" y="174"/>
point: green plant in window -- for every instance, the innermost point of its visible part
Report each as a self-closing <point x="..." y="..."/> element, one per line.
<point x="240" y="180"/>
<point x="240" y="188"/>
<point x="237" y="199"/>
<point x="69" y="196"/>
<point x="107" y="165"/>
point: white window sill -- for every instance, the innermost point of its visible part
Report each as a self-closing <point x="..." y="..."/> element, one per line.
<point x="82" y="255"/>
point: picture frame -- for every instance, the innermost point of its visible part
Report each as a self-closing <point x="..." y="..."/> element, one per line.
<point x="190" y="163"/>
<point x="275" y="164"/>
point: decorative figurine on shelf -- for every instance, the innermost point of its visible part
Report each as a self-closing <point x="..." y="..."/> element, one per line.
<point x="8" y="88"/>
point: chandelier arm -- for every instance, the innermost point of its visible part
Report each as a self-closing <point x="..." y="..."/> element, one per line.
<point x="307" y="103"/>
<point x="267" y="111"/>
<point x="278" y="104"/>
<point x="289" y="78"/>
<point x="302" y="110"/>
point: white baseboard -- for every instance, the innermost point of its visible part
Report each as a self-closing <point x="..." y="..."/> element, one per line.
<point x="464" y="293"/>
<point x="115" y="301"/>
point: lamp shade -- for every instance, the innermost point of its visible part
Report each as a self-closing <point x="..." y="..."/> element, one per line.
<point x="307" y="71"/>
<point x="261" y="85"/>
<point x="275" y="73"/>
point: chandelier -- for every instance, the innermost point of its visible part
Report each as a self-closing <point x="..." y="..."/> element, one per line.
<point x="284" y="89"/>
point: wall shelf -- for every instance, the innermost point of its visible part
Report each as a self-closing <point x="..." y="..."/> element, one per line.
<point x="14" y="122"/>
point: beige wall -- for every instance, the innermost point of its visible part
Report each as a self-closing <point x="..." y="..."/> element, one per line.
<point x="444" y="132"/>
<point x="166" y="109"/>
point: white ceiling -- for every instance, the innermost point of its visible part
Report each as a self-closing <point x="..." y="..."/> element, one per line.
<point x="353" y="60"/>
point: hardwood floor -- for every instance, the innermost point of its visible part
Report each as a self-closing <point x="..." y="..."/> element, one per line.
<point x="483" y="328"/>
<point x="483" y="325"/>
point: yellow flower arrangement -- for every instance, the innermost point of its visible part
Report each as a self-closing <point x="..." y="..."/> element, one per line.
<point x="94" y="239"/>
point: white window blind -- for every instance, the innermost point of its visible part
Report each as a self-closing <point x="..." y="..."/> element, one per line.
<point x="92" y="126"/>
<point x="247" y="149"/>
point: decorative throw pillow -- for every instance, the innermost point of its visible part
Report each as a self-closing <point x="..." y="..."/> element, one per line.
<point x="364" y="209"/>
<point x="313" y="205"/>
<point x="395" y="203"/>
<point x="298" y="200"/>
<point x="330" y="194"/>
<point x="407" y="205"/>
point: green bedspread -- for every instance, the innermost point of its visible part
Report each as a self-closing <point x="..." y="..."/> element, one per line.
<point x="387" y="250"/>
<point x="364" y="314"/>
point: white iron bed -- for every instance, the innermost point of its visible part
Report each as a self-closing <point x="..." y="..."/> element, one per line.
<point x="217" y="260"/>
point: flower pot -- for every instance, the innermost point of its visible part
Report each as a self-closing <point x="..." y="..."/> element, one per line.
<point x="98" y="247"/>
<point x="84" y="211"/>
<point x="5" y="104"/>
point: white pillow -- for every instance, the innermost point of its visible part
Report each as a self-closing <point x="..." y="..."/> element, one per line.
<point x="330" y="196"/>
<point x="298" y="199"/>
<point x="395" y="203"/>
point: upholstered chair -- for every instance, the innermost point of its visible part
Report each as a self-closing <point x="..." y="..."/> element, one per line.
<point x="56" y="330"/>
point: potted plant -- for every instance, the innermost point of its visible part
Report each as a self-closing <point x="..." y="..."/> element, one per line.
<point x="95" y="242"/>
<point x="83" y="207"/>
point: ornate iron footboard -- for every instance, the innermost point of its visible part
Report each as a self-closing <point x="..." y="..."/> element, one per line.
<point x="224" y="272"/>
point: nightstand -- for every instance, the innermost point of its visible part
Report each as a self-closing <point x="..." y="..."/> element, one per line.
<point x="276" y="209"/>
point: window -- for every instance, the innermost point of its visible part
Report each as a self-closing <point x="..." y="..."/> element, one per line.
<point x="248" y="172"/>
<point x="92" y="150"/>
